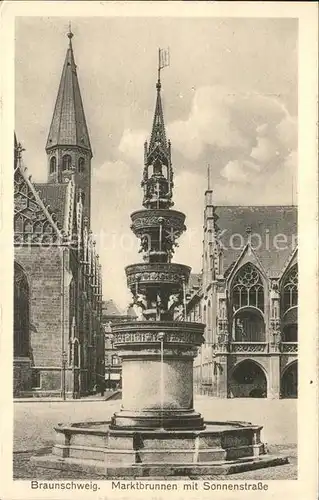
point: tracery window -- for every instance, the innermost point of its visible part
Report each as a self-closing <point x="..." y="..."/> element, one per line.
<point x="289" y="306"/>
<point x="290" y="290"/>
<point x="66" y="162"/>
<point x="247" y="289"/>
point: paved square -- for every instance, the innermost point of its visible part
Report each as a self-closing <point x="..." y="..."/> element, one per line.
<point x="34" y="423"/>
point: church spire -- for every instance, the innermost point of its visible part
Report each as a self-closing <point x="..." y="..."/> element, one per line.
<point x="158" y="173"/>
<point x="68" y="125"/>
<point x="68" y="145"/>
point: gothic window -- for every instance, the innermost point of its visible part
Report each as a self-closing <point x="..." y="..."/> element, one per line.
<point x="81" y="165"/>
<point x="21" y="313"/>
<point x="52" y="164"/>
<point x="289" y="306"/>
<point x="247" y="289"/>
<point x="66" y="162"/>
<point x="290" y="290"/>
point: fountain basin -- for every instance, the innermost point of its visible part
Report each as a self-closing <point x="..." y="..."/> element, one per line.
<point x="220" y="448"/>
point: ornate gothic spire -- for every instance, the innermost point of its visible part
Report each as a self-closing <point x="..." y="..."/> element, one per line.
<point x="68" y="126"/>
<point x="158" y="143"/>
<point x="158" y="173"/>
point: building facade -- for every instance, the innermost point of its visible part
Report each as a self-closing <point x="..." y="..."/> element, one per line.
<point x="113" y="365"/>
<point x="248" y="299"/>
<point x="58" y="337"/>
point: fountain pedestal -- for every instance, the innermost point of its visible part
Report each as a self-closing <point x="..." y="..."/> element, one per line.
<point x="157" y="390"/>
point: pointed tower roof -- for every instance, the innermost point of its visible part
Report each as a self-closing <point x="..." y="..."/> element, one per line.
<point x="158" y="145"/>
<point x="68" y="126"/>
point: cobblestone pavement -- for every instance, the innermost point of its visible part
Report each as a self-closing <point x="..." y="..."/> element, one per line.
<point x="34" y="430"/>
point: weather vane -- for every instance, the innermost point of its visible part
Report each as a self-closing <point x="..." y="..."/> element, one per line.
<point x="163" y="61"/>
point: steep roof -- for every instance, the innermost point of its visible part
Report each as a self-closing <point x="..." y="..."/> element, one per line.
<point x="68" y="126"/>
<point x="264" y="225"/>
<point x="55" y="196"/>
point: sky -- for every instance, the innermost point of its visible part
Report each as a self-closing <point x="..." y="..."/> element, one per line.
<point x="229" y="98"/>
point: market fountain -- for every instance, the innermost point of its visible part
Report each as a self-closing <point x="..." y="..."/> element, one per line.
<point x="157" y="431"/>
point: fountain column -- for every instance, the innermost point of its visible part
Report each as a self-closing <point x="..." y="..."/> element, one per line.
<point x="157" y="287"/>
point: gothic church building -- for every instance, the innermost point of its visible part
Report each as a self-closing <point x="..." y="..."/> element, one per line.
<point x="248" y="299"/>
<point x="58" y="337"/>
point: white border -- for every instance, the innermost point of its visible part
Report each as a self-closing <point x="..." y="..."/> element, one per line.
<point x="306" y="12"/>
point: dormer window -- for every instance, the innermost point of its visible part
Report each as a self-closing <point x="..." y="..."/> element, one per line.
<point x="81" y="165"/>
<point x="66" y="162"/>
<point x="52" y="165"/>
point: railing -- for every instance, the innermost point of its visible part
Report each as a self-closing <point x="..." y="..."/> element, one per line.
<point x="260" y="347"/>
<point x="289" y="347"/>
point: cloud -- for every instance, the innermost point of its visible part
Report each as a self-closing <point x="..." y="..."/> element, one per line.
<point x="112" y="172"/>
<point x="251" y="132"/>
<point x="265" y="150"/>
<point x="209" y="124"/>
<point x="131" y="145"/>
<point x="287" y="131"/>
<point x="240" y="171"/>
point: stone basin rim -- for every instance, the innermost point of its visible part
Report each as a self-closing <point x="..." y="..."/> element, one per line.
<point x="86" y="427"/>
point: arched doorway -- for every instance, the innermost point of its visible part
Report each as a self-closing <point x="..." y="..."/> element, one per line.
<point x="248" y="380"/>
<point x="289" y="381"/>
<point x="21" y="314"/>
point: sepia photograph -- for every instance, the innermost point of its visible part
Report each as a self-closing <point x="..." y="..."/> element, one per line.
<point x="155" y="252"/>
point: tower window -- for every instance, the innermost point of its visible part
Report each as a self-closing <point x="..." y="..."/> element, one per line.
<point x="66" y="162"/>
<point x="81" y="165"/>
<point x="52" y="165"/>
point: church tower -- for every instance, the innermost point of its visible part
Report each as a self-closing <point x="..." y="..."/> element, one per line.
<point x="68" y="146"/>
